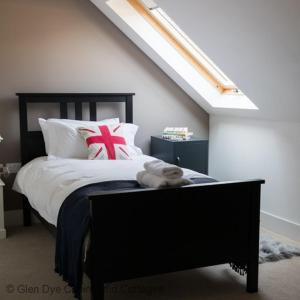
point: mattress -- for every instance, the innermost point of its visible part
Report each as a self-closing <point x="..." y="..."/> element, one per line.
<point x="47" y="183"/>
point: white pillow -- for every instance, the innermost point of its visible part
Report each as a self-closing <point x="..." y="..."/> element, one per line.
<point x="44" y="127"/>
<point x="130" y="131"/>
<point x="83" y="122"/>
<point x="62" y="139"/>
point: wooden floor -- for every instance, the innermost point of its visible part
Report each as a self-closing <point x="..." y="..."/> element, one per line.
<point x="26" y="272"/>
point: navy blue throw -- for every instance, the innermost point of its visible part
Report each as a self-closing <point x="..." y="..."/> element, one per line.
<point x="73" y="225"/>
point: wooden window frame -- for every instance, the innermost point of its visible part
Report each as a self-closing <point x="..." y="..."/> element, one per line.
<point x="146" y="13"/>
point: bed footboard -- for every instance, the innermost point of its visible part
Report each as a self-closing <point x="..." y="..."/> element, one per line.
<point x="153" y="231"/>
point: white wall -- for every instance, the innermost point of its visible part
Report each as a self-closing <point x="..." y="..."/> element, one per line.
<point x="256" y="43"/>
<point x="70" y="46"/>
<point x="247" y="149"/>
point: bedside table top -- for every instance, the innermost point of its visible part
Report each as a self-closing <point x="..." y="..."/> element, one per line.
<point x="193" y="139"/>
<point x="1" y="183"/>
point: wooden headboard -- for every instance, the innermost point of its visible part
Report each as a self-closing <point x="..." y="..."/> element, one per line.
<point x="32" y="142"/>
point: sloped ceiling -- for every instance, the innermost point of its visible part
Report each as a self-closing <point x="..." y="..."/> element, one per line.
<point x="256" y="43"/>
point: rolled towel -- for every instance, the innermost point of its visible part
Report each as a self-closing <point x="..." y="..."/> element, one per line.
<point x="150" y="180"/>
<point x="160" y="168"/>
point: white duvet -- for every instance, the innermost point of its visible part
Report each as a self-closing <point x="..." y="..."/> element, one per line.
<point x="47" y="183"/>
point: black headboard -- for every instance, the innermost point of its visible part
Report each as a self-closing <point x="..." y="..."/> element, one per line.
<point x="32" y="142"/>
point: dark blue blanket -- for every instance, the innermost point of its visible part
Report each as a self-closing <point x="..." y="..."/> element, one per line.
<point x="73" y="225"/>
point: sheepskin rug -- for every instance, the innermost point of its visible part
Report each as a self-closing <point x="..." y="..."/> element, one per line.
<point x="271" y="250"/>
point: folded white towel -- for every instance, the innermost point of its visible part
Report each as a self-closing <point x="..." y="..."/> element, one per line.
<point x="160" y="168"/>
<point x="150" y="180"/>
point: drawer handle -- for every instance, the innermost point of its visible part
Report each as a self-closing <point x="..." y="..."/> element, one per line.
<point x="178" y="160"/>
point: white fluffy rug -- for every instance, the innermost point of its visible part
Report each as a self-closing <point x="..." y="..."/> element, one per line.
<point x="271" y="250"/>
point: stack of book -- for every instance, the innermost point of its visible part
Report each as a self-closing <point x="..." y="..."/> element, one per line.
<point x="177" y="134"/>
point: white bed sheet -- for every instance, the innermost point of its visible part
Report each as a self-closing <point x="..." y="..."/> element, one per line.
<point x="47" y="183"/>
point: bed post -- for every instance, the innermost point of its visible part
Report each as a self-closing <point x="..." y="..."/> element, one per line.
<point x="26" y="212"/>
<point x="96" y="274"/>
<point x="97" y="288"/>
<point x="129" y="109"/>
<point x="253" y="254"/>
<point x="23" y="130"/>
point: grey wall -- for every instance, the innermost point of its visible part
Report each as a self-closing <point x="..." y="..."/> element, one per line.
<point x="257" y="44"/>
<point x="69" y="46"/>
<point x="243" y="148"/>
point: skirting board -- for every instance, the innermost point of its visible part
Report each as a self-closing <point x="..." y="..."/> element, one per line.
<point x="15" y="218"/>
<point x="281" y="226"/>
<point x="2" y="234"/>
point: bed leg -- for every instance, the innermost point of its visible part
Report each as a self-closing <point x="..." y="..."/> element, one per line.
<point x="97" y="290"/>
<point x="252" y="278"/>
<point x="253" y="255"/>
<point x="96" y="275"/>
<point x="26" y="212"/>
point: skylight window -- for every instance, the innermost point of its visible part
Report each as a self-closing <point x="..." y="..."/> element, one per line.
<point x="164" y="36"/>
<point x="197" y="57"/>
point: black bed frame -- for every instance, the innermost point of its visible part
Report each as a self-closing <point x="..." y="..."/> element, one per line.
<point x="153" y="231"/>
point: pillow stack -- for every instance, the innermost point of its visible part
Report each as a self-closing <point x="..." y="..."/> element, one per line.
<point x="64" y="139"/>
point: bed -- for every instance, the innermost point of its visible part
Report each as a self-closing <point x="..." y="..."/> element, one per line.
<point x="138" y="232"/>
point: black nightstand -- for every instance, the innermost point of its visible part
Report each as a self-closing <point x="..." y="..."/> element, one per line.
<point x="191" y="154"/>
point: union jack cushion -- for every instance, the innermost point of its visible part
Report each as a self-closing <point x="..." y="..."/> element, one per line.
<point x="106" y="142"/>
